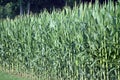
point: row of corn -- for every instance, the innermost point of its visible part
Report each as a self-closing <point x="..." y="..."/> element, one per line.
<point x="82" y="43"/>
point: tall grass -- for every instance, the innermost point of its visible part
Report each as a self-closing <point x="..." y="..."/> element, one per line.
<point x="78" y="44"/>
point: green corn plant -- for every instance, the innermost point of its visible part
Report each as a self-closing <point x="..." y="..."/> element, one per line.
<point x="82" y="43"/>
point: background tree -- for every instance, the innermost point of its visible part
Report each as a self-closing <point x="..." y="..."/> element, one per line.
<point x="21" y="7"/>
<point x="11" y="8"/>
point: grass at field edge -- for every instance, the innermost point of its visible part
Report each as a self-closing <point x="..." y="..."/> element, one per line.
<point x="7" y="76"/>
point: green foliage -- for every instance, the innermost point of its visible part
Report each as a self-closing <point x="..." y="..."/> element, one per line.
<point x="83" y="43"/>
<point x="6" y="10"/>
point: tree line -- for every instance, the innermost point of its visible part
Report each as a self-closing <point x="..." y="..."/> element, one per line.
<point x="11" y="8"/>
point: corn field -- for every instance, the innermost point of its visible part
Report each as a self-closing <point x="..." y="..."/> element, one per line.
<point x="82" y="43"/>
